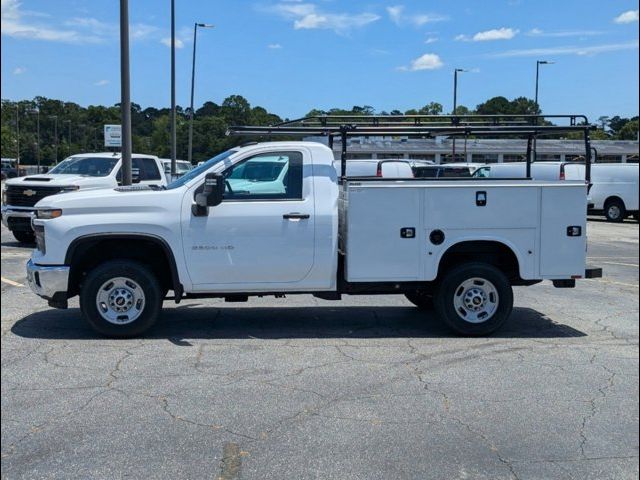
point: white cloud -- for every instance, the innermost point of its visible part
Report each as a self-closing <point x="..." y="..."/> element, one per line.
<point x="101" y="83"/>
<point x="167" y="41"/>
<point x="627" y="17"/>
<point x="567" y="50"/>
<point x="431" y="40"/>
<point x="428" y="61"/>
<point x="19" y="70"/>
<point x="495" y="34"/>
<point x="274" y="46"/>
<point x="462" y="38"/>
<point x="536" y="32"/>
<point x="141" y="31"/>
<point x="397" y="16"/>
<point x="307" y="16"/>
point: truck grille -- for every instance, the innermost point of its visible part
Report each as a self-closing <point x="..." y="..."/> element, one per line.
<point x="28" y="196"/>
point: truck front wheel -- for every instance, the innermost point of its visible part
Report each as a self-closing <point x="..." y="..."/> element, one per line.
<point x="474" y="299"/>
<point x="121" y="299"/>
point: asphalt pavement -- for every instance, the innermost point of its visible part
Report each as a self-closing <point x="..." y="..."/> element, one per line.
<point x="301" y="388"/>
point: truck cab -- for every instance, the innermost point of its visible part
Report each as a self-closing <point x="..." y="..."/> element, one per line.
<point x="87" y="171"/>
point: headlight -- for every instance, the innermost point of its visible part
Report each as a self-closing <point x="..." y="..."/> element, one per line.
<point x="48" y="213"/>
<point x="70" y="188"/>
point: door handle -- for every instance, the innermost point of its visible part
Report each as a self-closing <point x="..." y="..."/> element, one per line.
<point x="295" y="216"/>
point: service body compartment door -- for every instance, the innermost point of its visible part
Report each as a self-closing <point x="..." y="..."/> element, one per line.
<point x="563" y="236"/>
<point x="383" y="226"/>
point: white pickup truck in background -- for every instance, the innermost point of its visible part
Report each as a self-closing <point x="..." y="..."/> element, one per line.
<point x="86" y="171"/>
<point x="458" y="245"/>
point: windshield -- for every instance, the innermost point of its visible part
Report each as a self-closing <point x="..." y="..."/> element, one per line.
<point x="201" y="168"/>
<point x="86" y="166"/>
<point x="181" y="167"/>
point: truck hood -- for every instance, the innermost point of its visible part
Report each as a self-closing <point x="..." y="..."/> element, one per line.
<point x="122" y="199"/>
<point x="53" y="180"/>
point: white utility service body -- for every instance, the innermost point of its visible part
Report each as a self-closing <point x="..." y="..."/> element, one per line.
<point x="321" y="236"/>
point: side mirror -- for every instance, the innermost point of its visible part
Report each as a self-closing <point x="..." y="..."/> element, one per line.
<point x="211" y="194"/>
<point x="135" y="175"/>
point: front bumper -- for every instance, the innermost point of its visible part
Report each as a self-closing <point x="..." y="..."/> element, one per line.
<point x="17" y="218"/>
<point x="49" y="282"/>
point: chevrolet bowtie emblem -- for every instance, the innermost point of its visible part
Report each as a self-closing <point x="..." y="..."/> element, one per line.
<point x="29" y="193"/>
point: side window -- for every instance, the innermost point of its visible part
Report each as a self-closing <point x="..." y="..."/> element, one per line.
<point x="148" y="168"/>
<point x="273" y="175"/>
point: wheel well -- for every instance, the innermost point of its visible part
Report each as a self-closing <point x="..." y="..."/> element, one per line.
<point x="492" y="252"/>
<point x="611" y="199"/>
<point x="86" y="254"/>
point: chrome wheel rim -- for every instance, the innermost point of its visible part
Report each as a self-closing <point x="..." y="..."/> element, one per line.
<point x="614" y="212"/>
<point x="476" y="300"/>
<point x="120" y="300"/>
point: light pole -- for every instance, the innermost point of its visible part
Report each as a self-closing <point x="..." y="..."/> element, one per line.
<point x="55" y="135"/>
<point x="36" y="111"/>
<point x="125" y="94"/>
<point x="538" y="63"/>
<point x="68" y="136"/>
<point x="455" y="105"/>
<point x="173" y="88"/>
<point x="193" y="76"/>
<point x="17" y="137"/>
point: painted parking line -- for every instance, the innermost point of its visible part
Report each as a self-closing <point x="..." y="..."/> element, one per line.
<point x="612" y="282"/>
<point x="623" y="264"/>
<point x="11" y="282"/>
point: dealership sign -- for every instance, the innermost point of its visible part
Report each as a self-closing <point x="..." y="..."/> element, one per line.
<point x="113" y="136"/>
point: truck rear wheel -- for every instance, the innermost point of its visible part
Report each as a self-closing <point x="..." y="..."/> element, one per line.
<point x="474" y="299"/>
<point x="615" y="210"/>
<point x="24" y="236"/>
<point x="121" y="299"/>
<point x="420" y="300"/>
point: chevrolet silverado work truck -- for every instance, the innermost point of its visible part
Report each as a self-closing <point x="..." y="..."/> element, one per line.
<point x="276" y="218"/>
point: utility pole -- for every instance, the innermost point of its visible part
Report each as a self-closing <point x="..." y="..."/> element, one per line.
<point x="18" y="137"/>
<point x="37" y="112"/>
<point x="68" y="137"/>
<point x="55" y="135"/>
<point x="193" y="76"/>
<point x="125" y="95"/>
<point x="173" y="88"/>
<point x="455" y="105"/>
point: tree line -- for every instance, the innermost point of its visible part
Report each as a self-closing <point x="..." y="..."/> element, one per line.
<point x="67" y="128"/>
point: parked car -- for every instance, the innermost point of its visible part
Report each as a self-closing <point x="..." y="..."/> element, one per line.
<point x="274" y="219"/>
<point x="446" y="170"/>
<point x="87" y="171"/>
<point x="182" y="167"/>
<point x="539" y="170"/>
<point x="9" y="169"/>
<point x="614" y="189"/>
<point x="389" y="168"/>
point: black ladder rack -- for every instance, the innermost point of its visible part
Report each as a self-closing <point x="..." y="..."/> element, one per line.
<point x="343" y="126"/>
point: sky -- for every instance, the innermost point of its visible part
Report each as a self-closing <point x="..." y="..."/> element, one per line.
<point x="291" y="56"/>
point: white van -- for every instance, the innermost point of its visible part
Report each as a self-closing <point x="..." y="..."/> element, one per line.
<point x="539" y="170"/>
<point x="614" y="190"/>
<point x="376" y="168"/>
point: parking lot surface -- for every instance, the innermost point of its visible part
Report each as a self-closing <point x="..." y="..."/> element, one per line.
<point x="297" y="388"/>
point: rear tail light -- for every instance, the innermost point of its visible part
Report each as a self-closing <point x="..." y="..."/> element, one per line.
<point x="562" y="175"/>
<point x="379" y="170"/>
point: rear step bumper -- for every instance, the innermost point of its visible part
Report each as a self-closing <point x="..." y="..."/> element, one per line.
<point x="589" y="272"/>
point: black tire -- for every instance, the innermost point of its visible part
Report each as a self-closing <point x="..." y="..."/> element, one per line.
<point x="615" y="211"/>
<point x="24" y="236"/>
<point x="449" y="290"/>
<point x="142" y="276"/>
<point x="420" y="300"/>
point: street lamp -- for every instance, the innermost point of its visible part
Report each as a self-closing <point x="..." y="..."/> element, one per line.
<point x="55" y="135"/>
<point x="173" y="88"/>
<point x="455" y="105"/>
<point x="538" y="63"/>
<point x="68" y="136"/>
<point x="36" y="111"/>
<point x="17" y="137"/>
<point x="193" y="76"/>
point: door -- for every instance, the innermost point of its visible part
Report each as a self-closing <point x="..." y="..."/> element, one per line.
<point x="262" y="232"/>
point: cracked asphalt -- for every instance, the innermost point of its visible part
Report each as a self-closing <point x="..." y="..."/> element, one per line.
<point x="300" y="388"/>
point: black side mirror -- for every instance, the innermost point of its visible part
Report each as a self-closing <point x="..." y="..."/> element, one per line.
<point x="135" y="175"/>
<point x="211" y="194"/>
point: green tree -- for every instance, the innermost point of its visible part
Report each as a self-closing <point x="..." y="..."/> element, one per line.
<point x="629" y="131"/>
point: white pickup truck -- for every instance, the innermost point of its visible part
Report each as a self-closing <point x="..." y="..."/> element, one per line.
<point x="275" y="218"/>
<point x="86" y="171"/>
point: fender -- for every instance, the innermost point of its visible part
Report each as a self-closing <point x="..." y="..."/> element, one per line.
<point x="175" y="278"/>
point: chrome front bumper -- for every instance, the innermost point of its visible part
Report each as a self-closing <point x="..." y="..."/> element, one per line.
<point x="49" y="282"/>
<point x="16" y="212"/>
